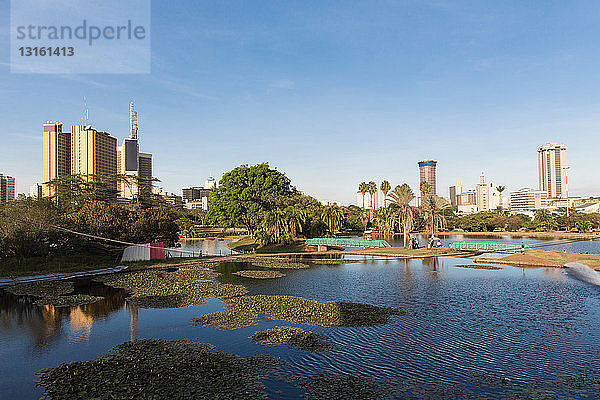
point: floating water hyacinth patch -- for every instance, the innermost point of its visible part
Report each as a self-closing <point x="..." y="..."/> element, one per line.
<point x="181" y="288"/>
<point x="69" y="301"/>
<point x="159" y="369"/>
<point x="276" y="263"/>
<point x="42" y="288"/>
<point x="295" y="338"/>
<point x="259" y="274"/>
<point x="246" y="310"/>
<point x="482" y="266"/>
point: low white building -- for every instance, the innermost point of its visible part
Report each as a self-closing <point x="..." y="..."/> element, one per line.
<point x="528" y="200"/>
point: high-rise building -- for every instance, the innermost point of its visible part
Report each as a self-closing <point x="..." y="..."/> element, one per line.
<point x="454" y="192"/>
<point x="488" y="196"/>
<point x="145" y="174"/>
<point x="135" y="167"/>
<point x="7" y="188"/>
<point x="56" y="151"/>
<point x="427" y="174"/>
<point x="528" y="200"/>
<point x="92" y="152"/>
<point x="35" y="191"/>
<point x="552" y="174"/>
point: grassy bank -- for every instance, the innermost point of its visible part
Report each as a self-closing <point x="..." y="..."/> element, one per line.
<point x="544" y="258"/>
<point x="248" y="244"/>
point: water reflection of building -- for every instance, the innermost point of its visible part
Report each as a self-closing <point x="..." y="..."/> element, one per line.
<point x="133" y="319"/>
<point x="44" y="324"/>
<point x="80" y="325"/>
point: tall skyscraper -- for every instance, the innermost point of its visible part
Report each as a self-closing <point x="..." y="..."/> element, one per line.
<point x="93" y="153"/>
<point x="135" y="167"/>
<point x="455" y="192"/>
<point x="427" y="174"/>
<point x="7" y="188"/>
<point x="552" y="164"/>
<point x="145" y="174"/>
<point x="56" y="154"/>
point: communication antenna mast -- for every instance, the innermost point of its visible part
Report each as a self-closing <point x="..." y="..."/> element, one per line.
<point x="133" y="122"/>
<point x="85" y="115"/>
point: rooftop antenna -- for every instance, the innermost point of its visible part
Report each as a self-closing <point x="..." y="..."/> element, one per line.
<point x="85" y="116"/>
<point x="133" y="121"/>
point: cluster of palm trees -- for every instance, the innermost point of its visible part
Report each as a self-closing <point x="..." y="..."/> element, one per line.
<point x="282" y="226"/>
<point x="398" y="210"/>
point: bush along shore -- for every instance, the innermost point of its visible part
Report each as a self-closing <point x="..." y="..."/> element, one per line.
<point x="295" y="338"/>
<point x="244" y="311"/>
<point x="171" y="289"/>
<point x="159" y="369"/>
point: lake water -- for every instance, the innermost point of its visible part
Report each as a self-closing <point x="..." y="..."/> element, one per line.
<point x="480" y="333"/>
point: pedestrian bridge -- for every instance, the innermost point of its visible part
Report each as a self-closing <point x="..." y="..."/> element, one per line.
<point x="486" y="246"/>
<point x="347" y="242"/>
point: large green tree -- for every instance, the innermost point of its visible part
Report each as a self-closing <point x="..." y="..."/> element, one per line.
<point x="245" y="194"/>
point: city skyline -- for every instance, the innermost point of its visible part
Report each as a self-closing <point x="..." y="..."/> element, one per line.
<point x="333" y="106"/>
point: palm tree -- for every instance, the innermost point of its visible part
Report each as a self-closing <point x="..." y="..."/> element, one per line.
<point x="385" y="188"/>
<point x="433" y="209"/>
<point x="274" y="224"/>
<point x="295" y="219"/>
<point x="372" y="189"/>
<point x="364" y="218"/>
<point x="425" y="191"/>
<point x="332" y="216"/>
<point x="401" y="196"/>
<point x="384" y="219"/>
<point x="363" y="188"/>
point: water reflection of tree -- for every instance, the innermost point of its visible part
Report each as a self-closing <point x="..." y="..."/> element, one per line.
<point x="433" y="263"/>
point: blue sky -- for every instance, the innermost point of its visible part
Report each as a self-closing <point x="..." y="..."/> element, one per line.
<point x="337" y="92"/>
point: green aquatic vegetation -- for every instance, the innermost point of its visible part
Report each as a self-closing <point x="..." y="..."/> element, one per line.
<point x="181" y="288"/>
<point x="276" y="263"/>
<point x="259" y="274"/>
<point x="69" y="301"/>
<point x="295" y="338"/>
<point x="42" y="288"/>
<point x="476" y="266"/>
<point x="247" y="309"/>
<point x="225" y="320"/>
<point x="159" y="369"/>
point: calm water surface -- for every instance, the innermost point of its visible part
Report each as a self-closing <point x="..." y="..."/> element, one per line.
<point x="521" y="325"/>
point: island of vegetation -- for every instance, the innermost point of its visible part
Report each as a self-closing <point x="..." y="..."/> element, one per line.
<point x="245" y="310"/>
<point x="295" y="338"/>
<point x="159" y="369"/>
